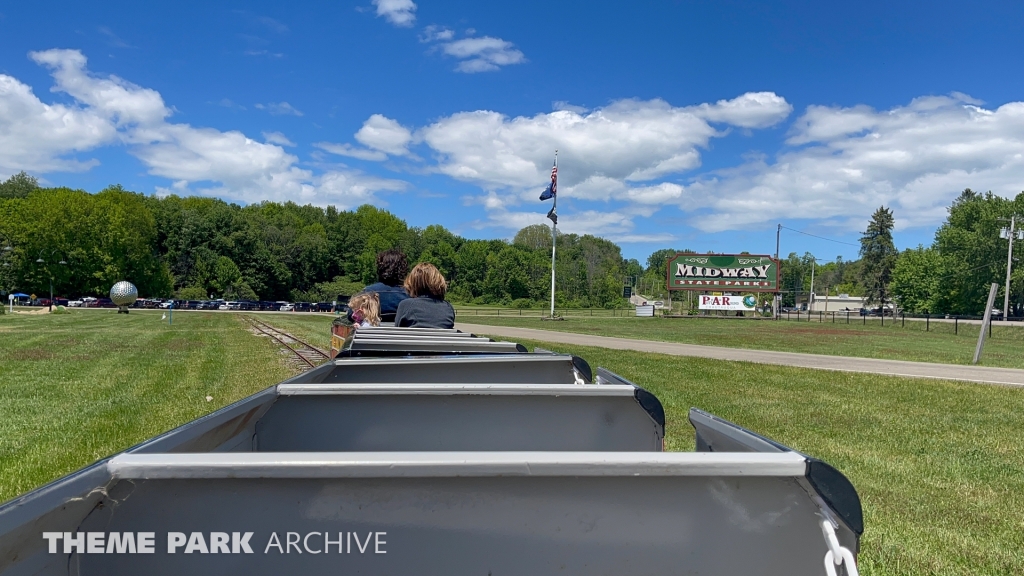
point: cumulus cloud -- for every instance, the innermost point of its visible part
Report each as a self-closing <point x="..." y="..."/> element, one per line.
<point x="601" y="151"/>
<point x="107" y="110"/>
<point x="277" y="138"/>
<point x="845" y="162"/>
<point x="751" y="110"/>
<point x="41" y="137"/>
<point x="399" y="12"/>
<point x="384" y="134"/>
<point x="483" y="54"/>
<point x="279" y="109"/>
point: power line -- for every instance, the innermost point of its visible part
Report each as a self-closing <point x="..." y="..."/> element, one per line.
<point x="819" y="237"/>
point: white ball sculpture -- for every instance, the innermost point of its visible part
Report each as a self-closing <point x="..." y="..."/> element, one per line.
<point x="124" y="295"/>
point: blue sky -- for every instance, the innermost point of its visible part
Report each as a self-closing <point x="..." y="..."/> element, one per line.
<point x="679" y="124"/>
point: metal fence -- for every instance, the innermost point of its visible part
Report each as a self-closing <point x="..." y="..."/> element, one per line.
<point x="928" y="322"/>
<point x="465" y="312"/>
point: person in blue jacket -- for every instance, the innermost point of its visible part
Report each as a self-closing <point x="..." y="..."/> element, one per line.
<point x="391" y="270"/>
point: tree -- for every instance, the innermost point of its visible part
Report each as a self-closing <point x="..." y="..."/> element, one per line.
<point x="915" y="279"/>
<point x="18" y="186"/>
<point x="878" y="254"/>
<point x="534" y="237"/>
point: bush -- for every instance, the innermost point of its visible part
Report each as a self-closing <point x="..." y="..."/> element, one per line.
<point x="59" y="310"/>
<point x="522" y="303"/>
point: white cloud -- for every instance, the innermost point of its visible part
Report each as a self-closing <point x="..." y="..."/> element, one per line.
<point x="599" y="151"/>
<point x="849" y="161"/>
<point x="351" y="151"/>
<point x="384" y="134"/>
<point x="39" y="137"/>
<point x="399" y="12"/>
<point x="484" y="54"/>
<point x="563" y="105"/>
<point x="279" y="109"/>
<point x="751" y="110"/>
<point x="107" y="110"/>
<point x="113" y="97"/>
<point x="277" y="138"/>
<point x="435" y="33"/>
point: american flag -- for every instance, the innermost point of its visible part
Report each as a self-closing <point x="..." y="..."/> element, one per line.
<point x="554" y="180"/>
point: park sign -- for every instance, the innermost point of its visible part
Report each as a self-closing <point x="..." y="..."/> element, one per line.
<point x="723" y="272"/>
<point x="747" y="303"/>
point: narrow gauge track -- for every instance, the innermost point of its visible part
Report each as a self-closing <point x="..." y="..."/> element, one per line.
<point x="305" y="351"/>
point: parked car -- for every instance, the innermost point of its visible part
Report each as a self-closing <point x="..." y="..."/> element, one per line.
<point x="287" y="308"/>
<point x="75" y="304"/>
<point x="302" y="307"/>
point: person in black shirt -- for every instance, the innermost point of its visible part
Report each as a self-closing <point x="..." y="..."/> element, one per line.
<point x="391" y="270"/>
<point x="426" y="306"/>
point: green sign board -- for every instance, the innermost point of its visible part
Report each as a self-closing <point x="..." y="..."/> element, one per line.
<point x="723" y="273"/>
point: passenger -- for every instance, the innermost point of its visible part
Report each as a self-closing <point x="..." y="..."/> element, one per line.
<point x="365" y="308"/>
<point x="426" y="306"/>
<point x="391" y="270"/>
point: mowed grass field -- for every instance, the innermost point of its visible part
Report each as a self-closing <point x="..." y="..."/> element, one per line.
<point x="892" y="341"/>
<point x="939" y="465"/>
<point x="77" y="387"/>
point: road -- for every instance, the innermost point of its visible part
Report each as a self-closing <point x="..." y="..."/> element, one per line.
<point x="983" y="374"/>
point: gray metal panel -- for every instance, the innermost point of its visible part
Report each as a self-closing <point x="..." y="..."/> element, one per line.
<point x="512" y="368"/>
<point x="621" y="525"/>
<point x="230" y="428"/>
<point x="445" y="420"/>
<point x="60" y="507"/>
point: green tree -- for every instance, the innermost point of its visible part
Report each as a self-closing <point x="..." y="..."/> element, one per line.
<point x="878" y="254"/>
<point x="534" y="237"/>
<point x="18" y="186"/>
<point x="915" y="279"/>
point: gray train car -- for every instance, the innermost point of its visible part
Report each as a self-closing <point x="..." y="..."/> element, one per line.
<point x="471" y="464"/>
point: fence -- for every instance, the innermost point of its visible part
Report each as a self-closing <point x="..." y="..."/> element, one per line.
<point x="942" y="323"/>
<point x="465" y="312"/>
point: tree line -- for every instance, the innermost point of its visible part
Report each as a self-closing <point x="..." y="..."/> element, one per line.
<point x="199" y="247"/>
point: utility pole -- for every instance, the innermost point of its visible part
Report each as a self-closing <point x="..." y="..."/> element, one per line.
<point x="1009" y="234"/>
<point x="810" y="297"/>
<point x="778" y="295"/>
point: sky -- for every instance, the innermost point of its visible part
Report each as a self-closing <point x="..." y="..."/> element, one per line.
<point x="701" y="125"/>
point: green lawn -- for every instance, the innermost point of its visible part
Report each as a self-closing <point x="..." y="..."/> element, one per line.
<point x="893" y="341"/>
<point x="77" y="387"/>
<point x="939" y="465"/>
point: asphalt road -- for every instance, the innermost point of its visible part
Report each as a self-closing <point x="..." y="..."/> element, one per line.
<point x="983" y="374"/>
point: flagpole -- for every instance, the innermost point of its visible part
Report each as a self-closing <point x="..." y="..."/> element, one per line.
<point x="554" y="241"/>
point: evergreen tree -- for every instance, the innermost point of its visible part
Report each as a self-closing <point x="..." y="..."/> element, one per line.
<point x="878" y="256"/>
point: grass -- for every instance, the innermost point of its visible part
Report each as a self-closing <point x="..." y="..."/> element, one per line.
<point x="893" y="341"/>
<point x="939" y="465"/>
<point x="77" y="387"/>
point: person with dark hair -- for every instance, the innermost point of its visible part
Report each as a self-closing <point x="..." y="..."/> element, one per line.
<point x="391" y="270"/>
<point x="426" y="306"/>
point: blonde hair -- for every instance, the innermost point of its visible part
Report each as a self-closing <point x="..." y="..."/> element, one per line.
<point x="369" y="304"/>
<point x="426" y="279"/>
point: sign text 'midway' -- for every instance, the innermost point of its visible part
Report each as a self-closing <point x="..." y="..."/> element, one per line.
<point x="685" y="270"/>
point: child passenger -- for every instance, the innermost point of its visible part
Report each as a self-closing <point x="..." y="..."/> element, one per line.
<point x="365" y="309"/>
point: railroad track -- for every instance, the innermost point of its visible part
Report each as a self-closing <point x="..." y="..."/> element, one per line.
<point x="304" y="351"/>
